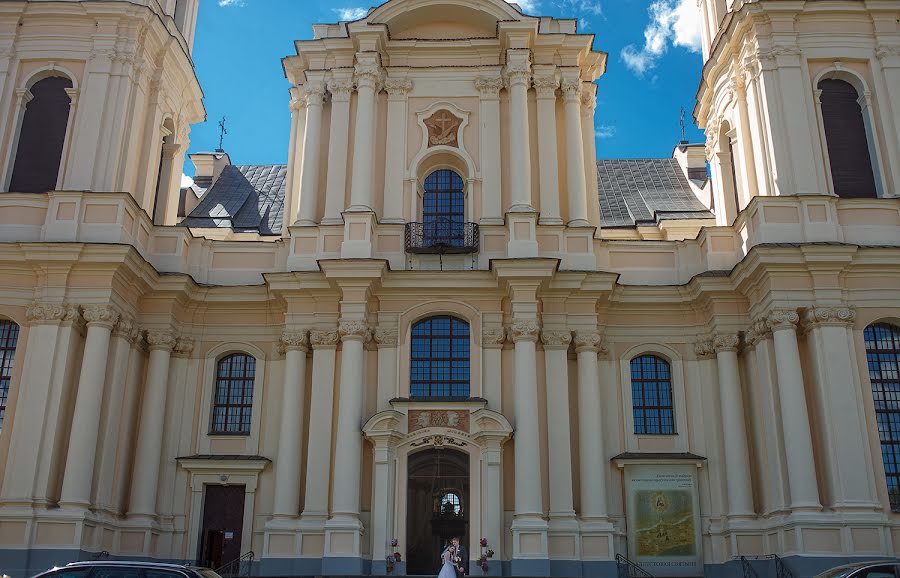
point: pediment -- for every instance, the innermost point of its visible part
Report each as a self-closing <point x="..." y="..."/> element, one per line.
<point x="443" y="19"/>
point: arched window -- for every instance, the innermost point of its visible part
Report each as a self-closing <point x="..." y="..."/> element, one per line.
<point x="9" y="336"/>
<point x="883" y="357"/>
<point x="651" y="396"/>
<point x="42" y="137"/>
<point x="450" y="505"/>
<point x="444" y="208"/>
<point x="233" y="403"/>
<point x="847" y="140"/>
<point x="439" y="361"/>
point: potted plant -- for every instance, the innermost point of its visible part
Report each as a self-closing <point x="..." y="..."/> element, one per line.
<point x="486" y="554"/>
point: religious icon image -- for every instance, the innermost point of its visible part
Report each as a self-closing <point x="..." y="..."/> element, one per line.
<point x="443" y="129"/>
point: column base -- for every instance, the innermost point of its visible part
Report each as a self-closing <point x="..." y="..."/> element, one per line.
<point x="491" y="221"/>
<point x="550" y="221"/>
<point x="343" y="546"/>
<point x="358" y="234"/>
<point x="332" y="221"/>
<point x="578" y="223"/>
<point x="530" y="546"/>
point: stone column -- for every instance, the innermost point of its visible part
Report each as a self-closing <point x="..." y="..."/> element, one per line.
<point x="518" y="76"/>
<point x="338" y="148"/>
<point x="745" y="143"/>
<point x="559" y="449"/>
<point x="79" y="473"/>
<point x="545" y="87"/>
<point x="592" y="458"/>
<point x="398" y="90"/>
<point x="145" y="478"/>
<point x="847" y="457"/>
<point x="344" y="526"/>
<point x="491" y="495"/>
<point x="287" y="461"/>
<point x="386" y="338"/>
<point x="309" y="177"/>
<point x="90" y="119"/>
<point x="794" y="413"/>
<point x="295" y="157"/>
<point x="491" y="208"/>
<point x="737" y="456"/>
<point x="492" y="339"/>
<point x="368" y="77"/>
<point x="384" y="482"/>
<point x="575" y="177"/>
<point x="318" y="458"/>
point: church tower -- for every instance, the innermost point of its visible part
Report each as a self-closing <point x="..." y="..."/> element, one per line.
<point x="796" y="99"/>
<point x="101" y="98"/>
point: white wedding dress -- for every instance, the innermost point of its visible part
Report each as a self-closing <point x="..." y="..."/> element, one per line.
<point x="447" y="570"/>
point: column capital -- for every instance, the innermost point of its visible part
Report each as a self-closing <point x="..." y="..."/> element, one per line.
<point x="489" y="86"/>
<point x="323" y="338"/>
<point x="517" y="74"/>
<point x="758" y="330"/>
<point x="492" y="337"/>
<point x="354" y="330"/>
<point x="295" y="340"/>
<point x="818" y="316"/>
<point x="546" y="86"/>
<point x="587" y="340"/>
<point x="886" y="52"/>
<point x="524" y="330"/>
<point x="184" y="346"/>
<point x="40" y="313"/>
<point x="571" y="89"/>
<point x="386" y="336"/>
<point x="398" y="86"/>
<point x="341" y="89"/>
<point x="103" y="315"/>
<point x="778" y="319"/>
<point x="314" y="93"/>
<point x="588" y="101"/>
<point x="556" y="339"/>
<point x="163" y="339"/>
<point x="705" y="348"/>
<point x="726" y="342"/>
<point x="368" y="74"/>
<point x="127" y="328"/>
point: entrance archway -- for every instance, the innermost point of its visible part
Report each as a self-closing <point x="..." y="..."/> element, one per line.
<point x="437" y="506"/>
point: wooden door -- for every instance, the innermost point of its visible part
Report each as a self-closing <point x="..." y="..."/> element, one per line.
<point x="223" y="525"/>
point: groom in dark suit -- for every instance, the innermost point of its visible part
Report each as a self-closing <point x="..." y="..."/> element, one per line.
<point x="462" y="567"/>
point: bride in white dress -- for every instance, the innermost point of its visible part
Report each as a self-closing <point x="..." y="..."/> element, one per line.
<point x="448" y="570"/>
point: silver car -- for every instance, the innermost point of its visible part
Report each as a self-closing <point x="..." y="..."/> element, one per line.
<point x="114" y="569"/>
<point x="864" y="570"/>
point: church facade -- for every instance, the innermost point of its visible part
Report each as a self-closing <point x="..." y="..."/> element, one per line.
<point x="443" y="316"/>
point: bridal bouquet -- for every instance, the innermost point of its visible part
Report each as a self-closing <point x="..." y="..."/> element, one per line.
<point x="456" y="559"/>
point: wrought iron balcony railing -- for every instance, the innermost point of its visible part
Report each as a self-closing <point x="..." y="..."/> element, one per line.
<point x="442" y="237"/>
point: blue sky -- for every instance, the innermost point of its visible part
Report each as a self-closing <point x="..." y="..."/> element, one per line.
<point x="654" y="70"/>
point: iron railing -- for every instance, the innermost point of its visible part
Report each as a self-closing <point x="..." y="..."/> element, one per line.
<point x="781" y="569"/>
<point x="442" y="236"/>
<point x="238" y="568"/>
<point x="628" y="569"/>
<point x="100" y="555"/>
<point x="747" y="567"/>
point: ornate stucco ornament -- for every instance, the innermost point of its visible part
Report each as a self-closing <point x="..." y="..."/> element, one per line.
<point x="184" y="346"/>
<point x="783" y="319"/>
<point x="161" y="339"/>
<point x="314" y="92"/>
<point x="341" y="89"/>
<point x="524" y="330"/>
<point x="437" y="441"/>
<point x="517" y="73"/>
<point x="493" y="337"/>
<point x="295" y="340"/>
<point x="726" y="342"/>
<point x="126" y="328"/>
<point x="354" y="329"/>
<point x="368" y="74"/>
<point x="556" y="339"/>
<point x="398" y="86"/>
<point x="571" y="89"/>
<point x="546" y="86"/>
<point x="443" y="129"/>
<point x="105" y="315"/>
<point x="323" y="338"/>
<point x="489" y="85"/>
<point x="386" y="336"/>
<point x="829" y="316"/>
<point x="704" y="348"/>
<point x="589" y="341"/>
<point x="49" y="312"/>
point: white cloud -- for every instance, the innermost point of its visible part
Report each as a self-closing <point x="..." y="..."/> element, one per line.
<point x="231" y="2"/>
<point x="671" y="21"/>
<point x="186" y="181"/>
<point x="349" y="14"/>
<point x="527" y="6"/>
<point x="605" y="131"/>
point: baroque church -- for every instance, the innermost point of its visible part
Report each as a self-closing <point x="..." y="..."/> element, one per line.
<point x="444" y="317"/>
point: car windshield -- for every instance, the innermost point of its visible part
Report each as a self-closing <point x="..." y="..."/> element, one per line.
<point x="840" y="572"/>
<point x="207" y="573"/>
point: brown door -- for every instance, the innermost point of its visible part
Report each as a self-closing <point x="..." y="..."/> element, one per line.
<point x="223" y="525"/>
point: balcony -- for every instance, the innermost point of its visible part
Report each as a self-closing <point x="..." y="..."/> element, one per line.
<point x="442" y="237"/>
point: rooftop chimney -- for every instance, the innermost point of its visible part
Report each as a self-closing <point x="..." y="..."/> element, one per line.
<point x="209" y="166"/>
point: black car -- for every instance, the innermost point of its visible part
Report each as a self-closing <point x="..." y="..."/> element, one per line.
<point x="112" y="569"/>
<point x="864" y="570"/>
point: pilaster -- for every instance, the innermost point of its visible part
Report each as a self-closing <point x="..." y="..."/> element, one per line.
<point x="341" y="89"/>
<point x="489" y="87"/>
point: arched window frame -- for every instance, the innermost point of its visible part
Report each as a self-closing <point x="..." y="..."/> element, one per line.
<point x="673" y="442"/>
<point x="657" y="415"/>
<point x="208" y="441"/>
<point x="22" y="96"/>
<point x="727" y="159"/>
<point x="887" y="418"/>
<point x="415" y="356"/>
<point x="10" y="336"/>
<point x="242" y="369"/>
<point x="872" y="134"/>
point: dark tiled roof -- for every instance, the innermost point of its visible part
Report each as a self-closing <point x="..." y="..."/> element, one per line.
<point x="644" y="192"/>
<point x="250" y="198"/>
<point x="246" y="198"/>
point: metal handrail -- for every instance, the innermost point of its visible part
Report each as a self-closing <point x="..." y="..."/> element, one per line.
<point x="238" y="568"/>
<point x="628" y="569"/>
<point x="781" y="568"/>
<point x="749" y="571"/>
<point x="442" y="237"/>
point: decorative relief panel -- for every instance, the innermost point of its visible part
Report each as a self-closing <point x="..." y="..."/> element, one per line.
<point x="425" y="418"/>
<point x="443" y="129"/>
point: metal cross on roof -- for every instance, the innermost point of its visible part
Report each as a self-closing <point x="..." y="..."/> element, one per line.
<point x="222" y="132"/>
<point x="682" y="124"/>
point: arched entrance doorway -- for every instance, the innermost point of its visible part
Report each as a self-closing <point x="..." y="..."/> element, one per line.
<point x="437" y="506"/>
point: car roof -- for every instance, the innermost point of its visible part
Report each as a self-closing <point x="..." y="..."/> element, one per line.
<point x="130" y="563"/>
<point x="861" y="565"/>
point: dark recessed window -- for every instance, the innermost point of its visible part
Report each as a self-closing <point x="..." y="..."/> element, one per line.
<point x="883" y="357"/>
<point x="847" y="140"/>
<point x="233" y="401"/>
<point x="444" y="210"/>
<point x="439" y="362"/>
<point x="651" y="396"/>
<point x="42" y="137"/>
<point x="9" y="336"/>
